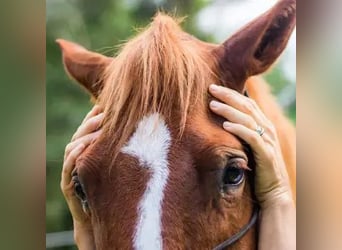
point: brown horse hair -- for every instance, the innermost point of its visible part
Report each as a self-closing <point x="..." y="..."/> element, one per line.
<point x="157" y="71"/>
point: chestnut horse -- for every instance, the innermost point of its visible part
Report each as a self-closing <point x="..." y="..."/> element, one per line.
<point x="154" y="179"/>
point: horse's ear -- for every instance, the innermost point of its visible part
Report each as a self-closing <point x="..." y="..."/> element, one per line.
<point x="84" y="66"/>
<point x="255" y="47"/>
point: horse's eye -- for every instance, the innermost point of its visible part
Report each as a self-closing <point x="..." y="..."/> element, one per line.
<point x="233" y="176"/>
<point x="79" y="192"/>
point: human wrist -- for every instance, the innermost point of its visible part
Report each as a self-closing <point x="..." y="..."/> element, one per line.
<point x="276" y="199"/>
<point x="83" y="235"/>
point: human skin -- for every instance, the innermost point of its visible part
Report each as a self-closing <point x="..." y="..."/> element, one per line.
<point x="85" y="134"/>
<point x="278" y="215"/>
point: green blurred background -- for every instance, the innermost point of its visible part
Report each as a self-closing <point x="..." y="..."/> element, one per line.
<point x="101" y="25"/>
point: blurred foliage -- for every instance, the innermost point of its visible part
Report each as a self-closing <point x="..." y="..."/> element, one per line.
<point x="98" y="25"/>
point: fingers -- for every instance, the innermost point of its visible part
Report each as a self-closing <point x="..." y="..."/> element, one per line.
<point x="86" y="140"/>
<point x="253" y="114"/>
<point x="233" y="114"/>
<point x="238" y="101"/>
<point x="84" y="136"/>
<point x="94" y="111"/>
<point x="89" y="126"/>
<point x="244" y="116"/>
<point x="246" y="134"/>
<point x="69" y="165"/>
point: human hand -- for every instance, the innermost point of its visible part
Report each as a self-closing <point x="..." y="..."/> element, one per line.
<point x="86" y="133"/>
<point x="244" y="118"/>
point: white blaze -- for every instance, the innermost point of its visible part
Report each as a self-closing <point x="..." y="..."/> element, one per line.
<point x="150" y="145"/>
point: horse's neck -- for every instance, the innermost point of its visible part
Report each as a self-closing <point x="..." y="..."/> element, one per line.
<point x="258" y="90"/>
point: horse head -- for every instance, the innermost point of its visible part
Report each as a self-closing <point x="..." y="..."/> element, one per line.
<point x="164" y="174"/>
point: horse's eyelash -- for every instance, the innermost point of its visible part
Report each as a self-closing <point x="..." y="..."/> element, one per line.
<point x="237" y="164"/>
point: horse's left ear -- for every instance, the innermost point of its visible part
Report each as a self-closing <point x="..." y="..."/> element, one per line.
<point x="254" y="48"/>
<point x="84" y="66"/>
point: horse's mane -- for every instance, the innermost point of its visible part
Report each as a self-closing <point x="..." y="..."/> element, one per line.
<point x="160" y="70"/>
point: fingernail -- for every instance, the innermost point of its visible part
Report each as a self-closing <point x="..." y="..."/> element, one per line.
<point x="213" y="87"/>
<point x="226" y="125"/>
<point x="214" y="104"/>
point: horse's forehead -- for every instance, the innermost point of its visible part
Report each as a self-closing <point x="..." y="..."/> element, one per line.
<point x="151" y="140"/>
<point x="150" y="145"/>
<point x="204" y="131"/>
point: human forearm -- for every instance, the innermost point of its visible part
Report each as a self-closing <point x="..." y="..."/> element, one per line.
<point x="83" y="137"/>
<point x="278" y="226"/>
<point x="83" y="237"/>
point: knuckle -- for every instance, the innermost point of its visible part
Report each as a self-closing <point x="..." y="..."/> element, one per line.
<point x="73" y="155"/>
<point x="225" y="109"/>
<point x="248" y="107"/>
<point x="271" y="128"/>
<point x="65" y="171"/>
<point x="227" y="94"/>
<point x="63" y="188"/>
<point x="253" y="103"/>
<point x="254" y="138"/>
<point x="76" y="135"/>
<point x="251" y="123"/>
<point x="92" y="124"/>
<point x="270" y="154"/>
<point x="82" y="126"/>
<point x="68" y="149"/>
<point x="273" y="145"/>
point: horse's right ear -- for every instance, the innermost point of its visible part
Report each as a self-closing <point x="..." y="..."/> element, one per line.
<point x="84" y="66"/>
<point x="255" y="47"/>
